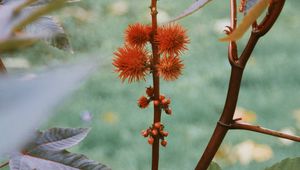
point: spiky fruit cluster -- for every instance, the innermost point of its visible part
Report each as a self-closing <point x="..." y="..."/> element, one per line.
<point x="133" y="61"/>
<point x="155" y="131"/>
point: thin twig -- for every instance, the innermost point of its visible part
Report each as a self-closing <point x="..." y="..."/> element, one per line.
<point x="259" y="129"/>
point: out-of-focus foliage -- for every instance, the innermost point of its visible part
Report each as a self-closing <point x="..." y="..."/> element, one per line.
<point x="190" y="10"/>
<point x="16" y="15"/>
<point x="26" y="101"/>
<point x="286" y="164"/>
<point x="247" y="21"/>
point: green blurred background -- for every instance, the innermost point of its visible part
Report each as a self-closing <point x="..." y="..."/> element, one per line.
<point x="269" y="93"/>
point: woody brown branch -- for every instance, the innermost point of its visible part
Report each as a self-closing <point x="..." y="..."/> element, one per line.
<point x="237" y="68"/>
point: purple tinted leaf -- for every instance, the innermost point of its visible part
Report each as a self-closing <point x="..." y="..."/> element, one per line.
<point x="73" y="160"/>
<point x="56" y="139"/>
<point x="193" y="8"/>
<point x="26" y="162"/>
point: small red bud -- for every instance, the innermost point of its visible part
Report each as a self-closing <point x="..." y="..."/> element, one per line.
<point x="168" y="111"/>
<point x="156" y="103"/>
<point x="150" y="140"/>
<point x="164" y="143"/>
<point x="165" y="134"/>
<point x="145" y="133"/>
<point x="169" y="101"/>
<point x="161" y="97"/>
<point x="164" y="102"/>
<point x="154" y="132"/>
<point x="157" y="125"/>
<point x="149" y="91"/>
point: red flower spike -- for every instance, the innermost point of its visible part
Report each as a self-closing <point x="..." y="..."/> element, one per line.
<point x="137" y="35"/>
<point x="131" y="63"/>
<point x="154" y="132"/>
<point x="156" y="102"/>
<point x="170" y="68"/>
<point x="145" y="133"/>
<point x="168" y="111"/>
<point x="150" y="140"/>
<point x="157" y="125"/>
<point x="143" y="102"/>
<point x="164" y="143"/>
<point x="172" y="39"/>
<point x="149" y="91"/>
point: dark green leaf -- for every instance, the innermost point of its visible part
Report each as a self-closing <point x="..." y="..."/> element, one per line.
<point x="56" y="139"/>
<point x="214" y="166"/>
<point x="287" y="164"/>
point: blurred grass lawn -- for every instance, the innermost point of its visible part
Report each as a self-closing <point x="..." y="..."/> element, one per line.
<point x="270" y="85"/>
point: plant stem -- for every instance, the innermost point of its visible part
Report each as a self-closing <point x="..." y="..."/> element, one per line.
<point x="2" y="67"/>
<point x="220" y="131"/>
<point x="155" y="61"/>
<point x="237" y="68"/>
<point x="244" y="126"/>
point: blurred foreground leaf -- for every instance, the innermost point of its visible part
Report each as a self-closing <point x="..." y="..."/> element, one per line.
<point x="286" y="164"/>
<point x="247" y="21"/>
<point x="27" y="101"/>
<point x="191" y="9"/>
<point x="16" y="15"/>
<point x="52" y="32"/>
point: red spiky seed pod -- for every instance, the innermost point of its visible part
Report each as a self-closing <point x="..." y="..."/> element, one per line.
<point x="150" y="140"/>
<point x="145" y="133"/>
<point x="154" y="132"/>
<point x="168" y="111"/>
<point x="137" y="35"/>
<point x="172" y="39"/>
<point x="164" y="143"/>
<point x="157" y="125"/>
<point x="150" y="91"/>
<point x="170" y="67"/>
<point x="156" y="102"/>
<point x="143" y="102"/>
<point x="131" y="63"/>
